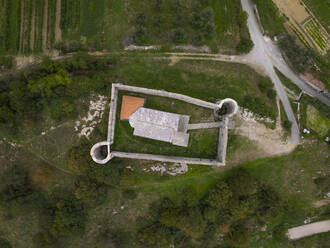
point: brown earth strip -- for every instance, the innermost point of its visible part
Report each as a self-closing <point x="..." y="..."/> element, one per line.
<point x="33" y="26"/>
<point x="58" y="31"/>
<point x="21" y="28"/>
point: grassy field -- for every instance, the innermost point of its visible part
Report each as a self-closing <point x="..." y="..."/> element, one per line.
<point x="321" y="10"/>
<point x="317" y="122"/>
<point x="319" y="115"/>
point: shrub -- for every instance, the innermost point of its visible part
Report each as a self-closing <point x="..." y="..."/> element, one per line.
<point x="178" y="35"/>
<point x="242" y="18"/>
<point x="69" y="46"/>
<point x="287" y="125"/>
<point x="271" y="94"/>
<point x="89" y="191"/>
<point x="4" y="243"/>
<point x="156" y="235"/>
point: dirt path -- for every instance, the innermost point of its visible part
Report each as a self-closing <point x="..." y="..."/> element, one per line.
<point x="321" y="203"/>
<point x="44" y="28"/>
<point x="21" y="28"/>
<point x="270" y="141"/>
<point x="33" y="26"/>
<point x="58" y="31"/>
<point x="308" y="230"/>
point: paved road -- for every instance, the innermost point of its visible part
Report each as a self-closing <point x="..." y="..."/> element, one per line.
<point x="310" y="229"/>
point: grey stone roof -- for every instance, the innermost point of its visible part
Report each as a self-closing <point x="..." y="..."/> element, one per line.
<point x="159" y="125"/>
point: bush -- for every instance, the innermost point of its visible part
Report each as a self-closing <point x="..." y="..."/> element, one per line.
<point x="129" y="194"/>
<point x="69" y="46"/>
<point x="6" y="62"/>
<point x="271" y="94"/>
<point x="279" y="233"/>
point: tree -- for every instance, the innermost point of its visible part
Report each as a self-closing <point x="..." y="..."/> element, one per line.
<point x="218" y="196"/>
<point x="245" y="45"/>
<point x="89" y="192"/>
<point x="16" y="190"/>
<point x="300" y="58"/>
<point x="241" y="182"/>
<point x="188" y="220"/>
<point x="238" y="236"/>
<point x="69" y="217"/>
<point x="178" y="35"/>
<point x="155" y="235"/>
<point x="51" y="85"/>
<point x="242" y="18"/>
<point x="189" y="196"/>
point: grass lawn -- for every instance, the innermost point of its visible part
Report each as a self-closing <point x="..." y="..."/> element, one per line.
<point x="317" y="122"/>
<point x="319" y="117"/>
<point x="208" y="81"/>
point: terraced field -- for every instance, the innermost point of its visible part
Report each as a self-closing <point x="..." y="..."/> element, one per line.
<point x="319" y="36"/>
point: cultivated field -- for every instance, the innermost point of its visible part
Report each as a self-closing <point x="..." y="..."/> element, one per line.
<point x="305" y="24"/>
<point x="28" y="25"/>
